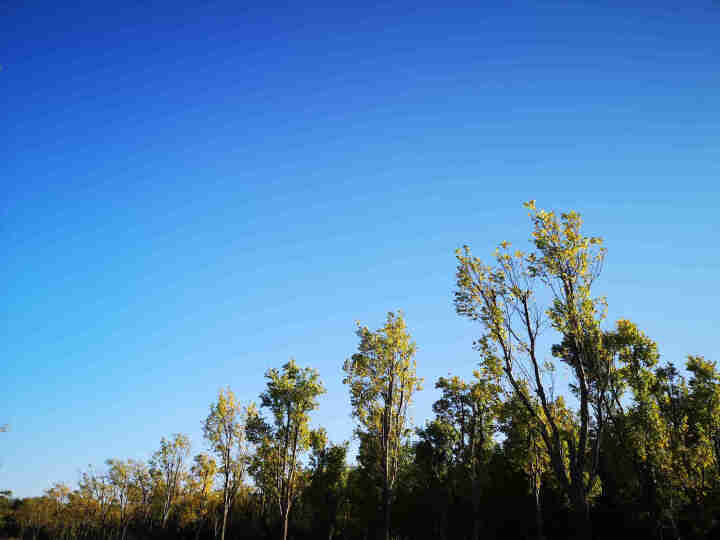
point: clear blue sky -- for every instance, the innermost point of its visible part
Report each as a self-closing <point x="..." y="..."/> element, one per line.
<point x="194" y="193"/>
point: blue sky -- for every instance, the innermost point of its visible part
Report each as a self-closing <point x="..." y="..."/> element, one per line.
<point x="194" y="193"/>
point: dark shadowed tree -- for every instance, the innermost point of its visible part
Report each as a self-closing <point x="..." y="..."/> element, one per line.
<point x="472" y="410"/>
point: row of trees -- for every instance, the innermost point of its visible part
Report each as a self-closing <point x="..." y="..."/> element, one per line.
<point x="632" y="444"/>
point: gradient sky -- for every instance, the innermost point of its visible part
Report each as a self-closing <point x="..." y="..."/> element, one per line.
<point x="192" y="194"/>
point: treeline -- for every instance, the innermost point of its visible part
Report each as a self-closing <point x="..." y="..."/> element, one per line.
<point x="633" y="447"/>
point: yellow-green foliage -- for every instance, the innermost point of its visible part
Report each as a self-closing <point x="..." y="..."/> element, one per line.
<point x="290" y="396"/>
<point x="382" y="381"/>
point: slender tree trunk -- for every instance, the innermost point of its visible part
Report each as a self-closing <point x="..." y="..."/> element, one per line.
<point x="286" y="519"/>
<point x="225" y="513"/>
<point x="538" y="513"/>
<point x="386" y="510"/>
<point x="659" y="530"/>
<point x="386" y="476"/>
<point x="673" y="521"/>
<point x="651" y="487"/>
<point x="476" y="509"/>
<point x="215" y="523"/>
<point x="581" y="514"/>
<point x="332" y="516"/>
<point x="166" y="514"/>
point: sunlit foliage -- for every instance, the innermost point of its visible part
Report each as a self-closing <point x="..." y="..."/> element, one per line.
<point x="629" y="445"/>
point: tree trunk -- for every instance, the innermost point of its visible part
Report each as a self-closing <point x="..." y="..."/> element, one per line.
<point x="443" y="524"/>
<point x="539" y="534"/>
<point x="386" y="511"/>
<point x="224" y="523"/>
<point x="673" y="521"/>
<point x="476" y="509"/>
<point x="286" y="519"/>
<point x="581" y="515"/>
<point x="216" y="523"/>
<point x="655" y="511"/>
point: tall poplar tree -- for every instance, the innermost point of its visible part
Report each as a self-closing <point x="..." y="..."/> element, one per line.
<point x="291" y="394"/>
<point x="120" y="479"/>
<point x="382" y="381"/>
<point x="169" y="461"/>
<point x="225" y="430"/>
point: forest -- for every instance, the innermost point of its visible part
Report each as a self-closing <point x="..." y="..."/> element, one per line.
<point x="622" y="444"/>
